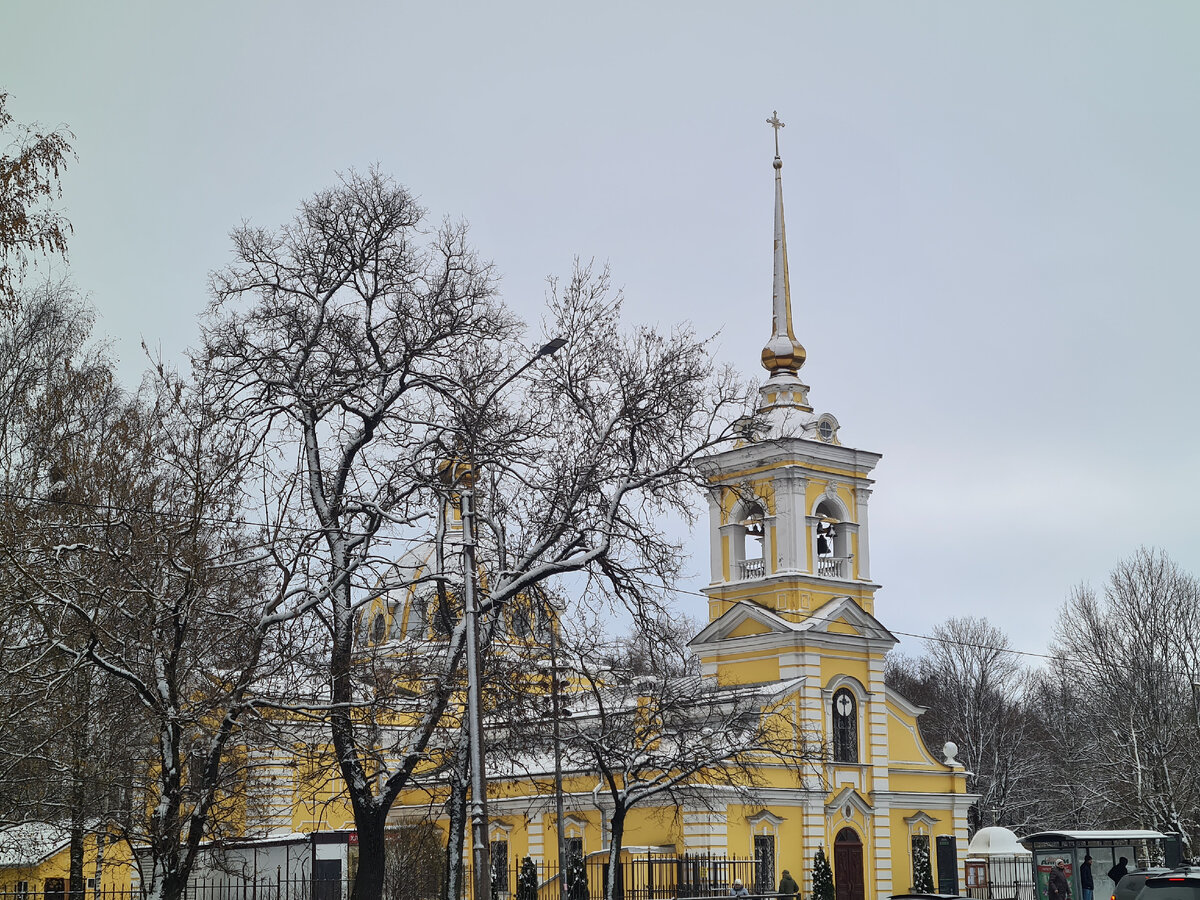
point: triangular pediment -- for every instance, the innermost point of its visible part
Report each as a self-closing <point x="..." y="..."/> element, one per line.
<point x="742" y="619"/>
<point x="849" y="801"/>
<point x="842" y="615"/>
<point x="839" y="618"/>
<point x="749" y="626"/>
<point x="841" y="626"/>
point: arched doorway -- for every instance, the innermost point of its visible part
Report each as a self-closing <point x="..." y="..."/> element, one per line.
<point x="848" y="866"/>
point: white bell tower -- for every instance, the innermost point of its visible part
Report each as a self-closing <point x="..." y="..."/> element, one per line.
<point x="788" y="505"/>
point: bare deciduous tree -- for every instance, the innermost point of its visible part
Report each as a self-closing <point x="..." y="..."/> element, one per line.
<point x="135" y="571"/>
<point x="1130" y="657"/>
<point x="30" y="166"/>
<point x="974" y="688"/>
<point x="657" y="732"/>
<point x="375" y="359"/>
<point x="56" y="763"/>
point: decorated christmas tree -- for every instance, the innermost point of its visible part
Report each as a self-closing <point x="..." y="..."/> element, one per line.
<point x="822" y="877"/>
<point x="527" y="882"/>
<point x="922" y="871"/>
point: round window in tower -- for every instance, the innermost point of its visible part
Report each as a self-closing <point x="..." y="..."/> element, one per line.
<point x="827" y="427"/>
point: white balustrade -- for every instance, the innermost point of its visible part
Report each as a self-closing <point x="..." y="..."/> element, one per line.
<point x="753" y="568"/>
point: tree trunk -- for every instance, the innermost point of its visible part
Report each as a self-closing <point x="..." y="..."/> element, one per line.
<point x="172" y="886"/>
<point x="456" y="808"/>
<point x="368" y="881"/>
<point x="75" y="867"/>
<point x="615" y="888"/>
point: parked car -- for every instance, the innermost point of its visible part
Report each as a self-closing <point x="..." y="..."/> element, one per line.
<point x="1178" y="884"/>
<point x="1132" y="883"/>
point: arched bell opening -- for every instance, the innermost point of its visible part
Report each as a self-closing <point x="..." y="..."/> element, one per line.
<point x="752" y="536"/>
<point x="831" y="540"/>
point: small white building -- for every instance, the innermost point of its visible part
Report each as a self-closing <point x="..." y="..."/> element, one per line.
<point x="997" y="866"/>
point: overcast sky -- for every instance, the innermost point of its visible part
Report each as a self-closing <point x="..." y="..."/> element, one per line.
<point x="993" y="220"/>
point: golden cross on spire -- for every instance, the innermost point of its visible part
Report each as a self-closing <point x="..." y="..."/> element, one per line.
<point x="776" y="124"/>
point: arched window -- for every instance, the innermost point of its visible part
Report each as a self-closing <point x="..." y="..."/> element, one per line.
<point x="417" y="625"/>
<point x="519" y="625"/>
<point x="378" y="628"/>
<point x="845" y="727"/>
<point x="444" y="611"/>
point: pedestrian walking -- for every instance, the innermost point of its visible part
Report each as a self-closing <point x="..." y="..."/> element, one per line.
<point x="1086" y="884"/>
<point x="1119" y="871"/>
<point x="1059" y="887"/>
<point x="788" y="886"/>
<point x="738" y="890"/>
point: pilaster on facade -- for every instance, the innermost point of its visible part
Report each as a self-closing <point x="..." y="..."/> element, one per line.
<point x="814" y="836"/>
<point x="536" y="831"/>
<point x="861" y="496"/>
<point x="716" y="554"/>
<point x="814" y="699"/>
<point x="878" y="715"/>
<point x="705" y="831"/>
<point x="791" y="485"/>
<point x="884" y="869"/>
<point x="269" y="802"/>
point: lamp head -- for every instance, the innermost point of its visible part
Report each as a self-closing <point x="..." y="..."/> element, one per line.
<point x="551" y="347"/>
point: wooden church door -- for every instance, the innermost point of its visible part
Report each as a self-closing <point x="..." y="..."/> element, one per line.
<point x="848" y="866"/>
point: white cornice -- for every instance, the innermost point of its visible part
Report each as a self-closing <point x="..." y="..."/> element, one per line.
<point x="798" y="452"/>
<point x="776" y="580"/>
<point x="784" y="633"/>
<point x="932" y="800"/>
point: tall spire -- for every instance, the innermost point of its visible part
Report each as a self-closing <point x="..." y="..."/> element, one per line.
<point x="783" y="353"/>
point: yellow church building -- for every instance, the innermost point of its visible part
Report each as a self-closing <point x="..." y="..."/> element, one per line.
<point x="791" y="617"/>
<point x="791" y="609"/>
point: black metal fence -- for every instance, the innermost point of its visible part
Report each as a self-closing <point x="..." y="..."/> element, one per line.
<point x="645" y="876"/>
<point x="1003" y="879"/>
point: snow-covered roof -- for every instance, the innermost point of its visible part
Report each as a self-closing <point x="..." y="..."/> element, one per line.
<point x="995" y="841"/>
<point x="30" y="843"/>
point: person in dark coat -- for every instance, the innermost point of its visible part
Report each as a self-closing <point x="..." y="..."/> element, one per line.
<point x="787" y="885"/>
<point x="1060" y="888"/>
<point x="1119" y="871"/>
<point x="1086" y="885"/>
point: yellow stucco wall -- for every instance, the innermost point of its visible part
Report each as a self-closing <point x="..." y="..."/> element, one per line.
<point x="116" y="869"/>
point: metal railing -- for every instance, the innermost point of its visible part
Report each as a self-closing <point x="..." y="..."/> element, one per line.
<point x="643" y="876"/>
<point x="1004" y="879"/>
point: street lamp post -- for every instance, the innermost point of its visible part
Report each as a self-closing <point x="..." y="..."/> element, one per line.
<point x="480" y="850"/>
<point x="556" y="711"/>
<point x="481" y="870"/>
